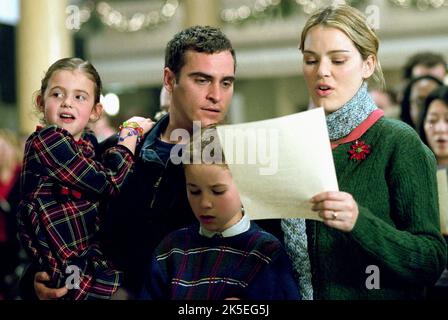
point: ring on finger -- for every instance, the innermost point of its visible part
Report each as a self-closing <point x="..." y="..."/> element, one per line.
<point x="334" y="215"/>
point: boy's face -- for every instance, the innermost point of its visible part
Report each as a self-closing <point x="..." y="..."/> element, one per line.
<point x="204" y="89"/>
<point x="213" y="196"/>
<point x="68" y="101"/>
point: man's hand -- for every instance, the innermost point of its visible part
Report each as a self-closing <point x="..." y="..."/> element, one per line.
<point x="45" y="293"/>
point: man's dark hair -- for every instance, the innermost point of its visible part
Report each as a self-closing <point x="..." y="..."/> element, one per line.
<point x="198" y="38"/>
<point x="427" y="59"/>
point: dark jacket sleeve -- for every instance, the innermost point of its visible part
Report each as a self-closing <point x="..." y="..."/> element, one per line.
<point x="26" y="285"/>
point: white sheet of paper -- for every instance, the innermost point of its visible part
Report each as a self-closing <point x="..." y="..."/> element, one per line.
<point x="283" y="163"/>
<point x="442" y="186"/>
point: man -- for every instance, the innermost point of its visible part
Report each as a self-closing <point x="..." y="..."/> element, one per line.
<point x="199" y="74"/>
<point x="425" y="63"/>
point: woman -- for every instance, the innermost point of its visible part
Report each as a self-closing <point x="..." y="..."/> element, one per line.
<point x="434" y="126"/>
<point x="380" y="235"/>
<point x="414" y="95"/>
<point x="434" y="132"/>
<point x="11" y="155"/>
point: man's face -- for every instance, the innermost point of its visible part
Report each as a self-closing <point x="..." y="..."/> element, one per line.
<point x="438" y="71"/>
<point x="203" y="91"/>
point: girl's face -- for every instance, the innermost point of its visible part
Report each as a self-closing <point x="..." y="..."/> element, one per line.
<point x="333" y="67"/>
<point x="68" y="101"/>
<point x="213" y="196"/>
<point x="436" y="130"/>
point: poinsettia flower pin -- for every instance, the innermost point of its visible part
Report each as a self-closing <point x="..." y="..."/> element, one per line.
<point x="359" y="150"/>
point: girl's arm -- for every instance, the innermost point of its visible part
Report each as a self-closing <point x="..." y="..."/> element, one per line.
<point x="132" y="130"/>
<point x="64" y="161"/>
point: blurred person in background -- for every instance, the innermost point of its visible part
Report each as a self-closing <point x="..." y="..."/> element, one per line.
<point x="386" y="100"/>
<point x="165" y="101"/>
<point x="102" y="128"/>
<point x="434" y="132"/>
<point x="414" y="95"/>
<point x="425" y="63"/>
<point x="11" y="153"/>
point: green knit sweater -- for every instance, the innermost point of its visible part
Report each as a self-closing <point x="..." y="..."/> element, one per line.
<point x="397" y="229"/>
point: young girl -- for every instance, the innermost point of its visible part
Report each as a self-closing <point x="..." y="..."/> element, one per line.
<point x="226" y="256"/>
<point x="62" y="183"/>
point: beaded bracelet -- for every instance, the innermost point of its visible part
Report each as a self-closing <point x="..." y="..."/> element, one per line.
<point x="135" y="130"/>
<point x="131" y="132"/>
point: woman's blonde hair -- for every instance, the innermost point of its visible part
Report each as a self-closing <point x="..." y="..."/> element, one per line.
<point x="354" y="24"/>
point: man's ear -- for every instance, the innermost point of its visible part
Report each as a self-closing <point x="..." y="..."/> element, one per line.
<point x="169" y="79"/>
<point x="368" y="67"/>
<point x="96" y="113"/>
<point x="40" y="103"/>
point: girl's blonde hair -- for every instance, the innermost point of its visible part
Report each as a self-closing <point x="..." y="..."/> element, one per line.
<point x="354" y="24"/>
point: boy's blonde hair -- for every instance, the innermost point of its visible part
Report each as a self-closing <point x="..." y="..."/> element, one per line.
<point x="216" y="154"/>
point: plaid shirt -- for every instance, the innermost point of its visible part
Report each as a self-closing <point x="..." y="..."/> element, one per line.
<point x="61" y="188"/>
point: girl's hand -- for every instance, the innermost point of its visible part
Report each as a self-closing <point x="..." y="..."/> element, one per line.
<point x="145" y="123"/>
<point x="338" y="209"/>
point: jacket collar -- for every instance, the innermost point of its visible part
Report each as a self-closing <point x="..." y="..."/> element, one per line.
<point x="147" y="152"/>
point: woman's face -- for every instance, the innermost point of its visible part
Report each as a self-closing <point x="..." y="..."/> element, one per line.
<point x="419" y="92"/>
<point x="436" y="130"/>
<point x="333" y="67"/>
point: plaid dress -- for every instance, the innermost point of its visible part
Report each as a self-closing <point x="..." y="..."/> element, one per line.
<point x="61" y="188"/>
